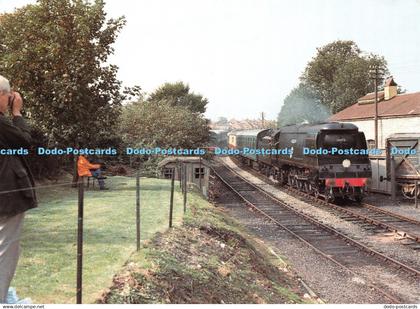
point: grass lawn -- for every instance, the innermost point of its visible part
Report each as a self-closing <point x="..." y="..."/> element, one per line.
<point x="47" y="267"/>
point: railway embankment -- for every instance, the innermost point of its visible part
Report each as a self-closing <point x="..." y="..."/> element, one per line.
<point x="208" y="259"/>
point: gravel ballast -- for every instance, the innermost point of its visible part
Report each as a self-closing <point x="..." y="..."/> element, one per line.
<point x="384" y="277"/>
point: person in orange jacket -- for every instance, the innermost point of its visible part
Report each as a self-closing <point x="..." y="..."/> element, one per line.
<point x="87" y="169"/>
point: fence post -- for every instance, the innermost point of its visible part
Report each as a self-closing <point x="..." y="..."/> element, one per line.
<point x="80" y="242"/>
<point x="138" y="209"/>
<point x="393" y="182"/>
<point x="200" y="175"/>
<point x="184" y="167"/>
<point x="171" y="205"/>
<point x="179" y="169"/>
<point x="416" y="192"/>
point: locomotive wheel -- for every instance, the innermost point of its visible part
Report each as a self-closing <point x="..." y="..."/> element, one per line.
<point x="282" y="179"/>
<point x="329" y="197"/>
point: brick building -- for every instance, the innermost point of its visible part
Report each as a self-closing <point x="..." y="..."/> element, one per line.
<point x="397" y="113"/>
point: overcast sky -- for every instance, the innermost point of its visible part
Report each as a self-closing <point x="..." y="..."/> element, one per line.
<point x="246" y="55"/>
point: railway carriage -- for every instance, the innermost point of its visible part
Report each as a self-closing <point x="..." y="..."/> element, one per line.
<point x="250" y="139"/>
<point x="404" y="148"/>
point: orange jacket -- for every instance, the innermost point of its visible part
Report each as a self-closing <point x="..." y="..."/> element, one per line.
<point x="84" y="167"/>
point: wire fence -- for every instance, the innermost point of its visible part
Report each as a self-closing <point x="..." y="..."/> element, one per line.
<point x="105" y="225"/>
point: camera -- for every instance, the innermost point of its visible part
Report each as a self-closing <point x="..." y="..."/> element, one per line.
<point x="11" y="101"/>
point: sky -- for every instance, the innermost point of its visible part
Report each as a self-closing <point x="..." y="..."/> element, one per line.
<point x="246" y="55"/>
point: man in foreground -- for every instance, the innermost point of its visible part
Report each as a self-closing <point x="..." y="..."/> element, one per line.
<point x="17" y="193"/>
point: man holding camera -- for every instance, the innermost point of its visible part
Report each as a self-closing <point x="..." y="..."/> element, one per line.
<point x="17" y="193"/>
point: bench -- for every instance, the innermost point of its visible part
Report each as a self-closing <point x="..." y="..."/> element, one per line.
<point x="93" y="179"/>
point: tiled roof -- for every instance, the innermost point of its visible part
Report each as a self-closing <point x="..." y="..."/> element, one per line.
<point x="400" y="105"/>
<point x="371" y="96"/>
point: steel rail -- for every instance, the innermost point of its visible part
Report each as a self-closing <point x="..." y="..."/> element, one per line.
<point x="369" y="220"/>
<point x="374" y="222"/>
<point x="319" y="251"/>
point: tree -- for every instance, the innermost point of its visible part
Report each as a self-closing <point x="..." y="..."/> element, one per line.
<point x="301" y="105"/>
<point x="159" y="124"/>
<point x="55" y="52"/>
<point x="222" y="121"/>
<point x="339" y="74"/>
<point x="178" y="94"/>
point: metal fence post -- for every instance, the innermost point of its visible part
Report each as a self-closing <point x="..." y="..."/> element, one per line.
<point x="179" y="169"/>
<point x="80" y="242"/>
<point x="171" y="205"/>
<point x="138" y="209"/>
<point x="185" y="187"/>
<point x="200" y="175"/>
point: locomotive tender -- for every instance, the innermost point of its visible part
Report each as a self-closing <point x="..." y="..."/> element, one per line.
<point x="328" y="159"/>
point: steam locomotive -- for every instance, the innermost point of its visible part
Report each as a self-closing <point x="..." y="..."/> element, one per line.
<point x="328" y="159"/>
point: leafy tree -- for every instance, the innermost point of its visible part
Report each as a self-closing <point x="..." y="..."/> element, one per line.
<point x="178" y="94"/>
<point x="222" y="121"/>
<point x="339" y="74"/>
<point x="301" y="105"/>
<point x="55" y="52"/>
<point x="159" y="124"/>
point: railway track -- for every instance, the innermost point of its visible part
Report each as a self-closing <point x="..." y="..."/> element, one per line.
<point x="330" y="243"/>
<point x="374" y="219"/>
<point x="370" y="217"/>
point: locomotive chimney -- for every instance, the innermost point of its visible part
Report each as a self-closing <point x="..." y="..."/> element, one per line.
<point x="390" y="89"/>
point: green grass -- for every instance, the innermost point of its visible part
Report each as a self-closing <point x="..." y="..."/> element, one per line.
<point x="47" y="266"/>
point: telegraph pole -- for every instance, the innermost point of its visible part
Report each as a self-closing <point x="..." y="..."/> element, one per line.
<point x="262" y="120"/>
<point x="376" y="76"/>
<point x="376" y="108"/>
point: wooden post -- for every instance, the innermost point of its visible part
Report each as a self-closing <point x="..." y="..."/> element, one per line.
<point x="138" y="209"/>
<point x="416" y="192"/>
<point x="80" y="242"/>
<point x="185" y="187"/>
<point x="393" y="182"/>
<point x="171" y="205"/>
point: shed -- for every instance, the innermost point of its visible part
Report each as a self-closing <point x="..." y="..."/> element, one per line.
<point x="198" y="170"/>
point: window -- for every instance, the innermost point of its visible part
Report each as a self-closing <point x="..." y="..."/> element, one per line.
<point x="199" y="173"/>
<point x="371" y="143"/>
<point x="167" y="172"/>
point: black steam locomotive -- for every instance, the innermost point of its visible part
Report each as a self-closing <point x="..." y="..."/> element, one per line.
<point x="329" y="159"/>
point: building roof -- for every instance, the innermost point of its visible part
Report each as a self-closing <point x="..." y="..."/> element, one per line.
<point x="182" y="159"/>
<point x="371" y="97"/>
<point x="400" y="105"/>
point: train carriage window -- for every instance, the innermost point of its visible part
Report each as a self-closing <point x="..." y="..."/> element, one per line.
<point x="371" y="143"/>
